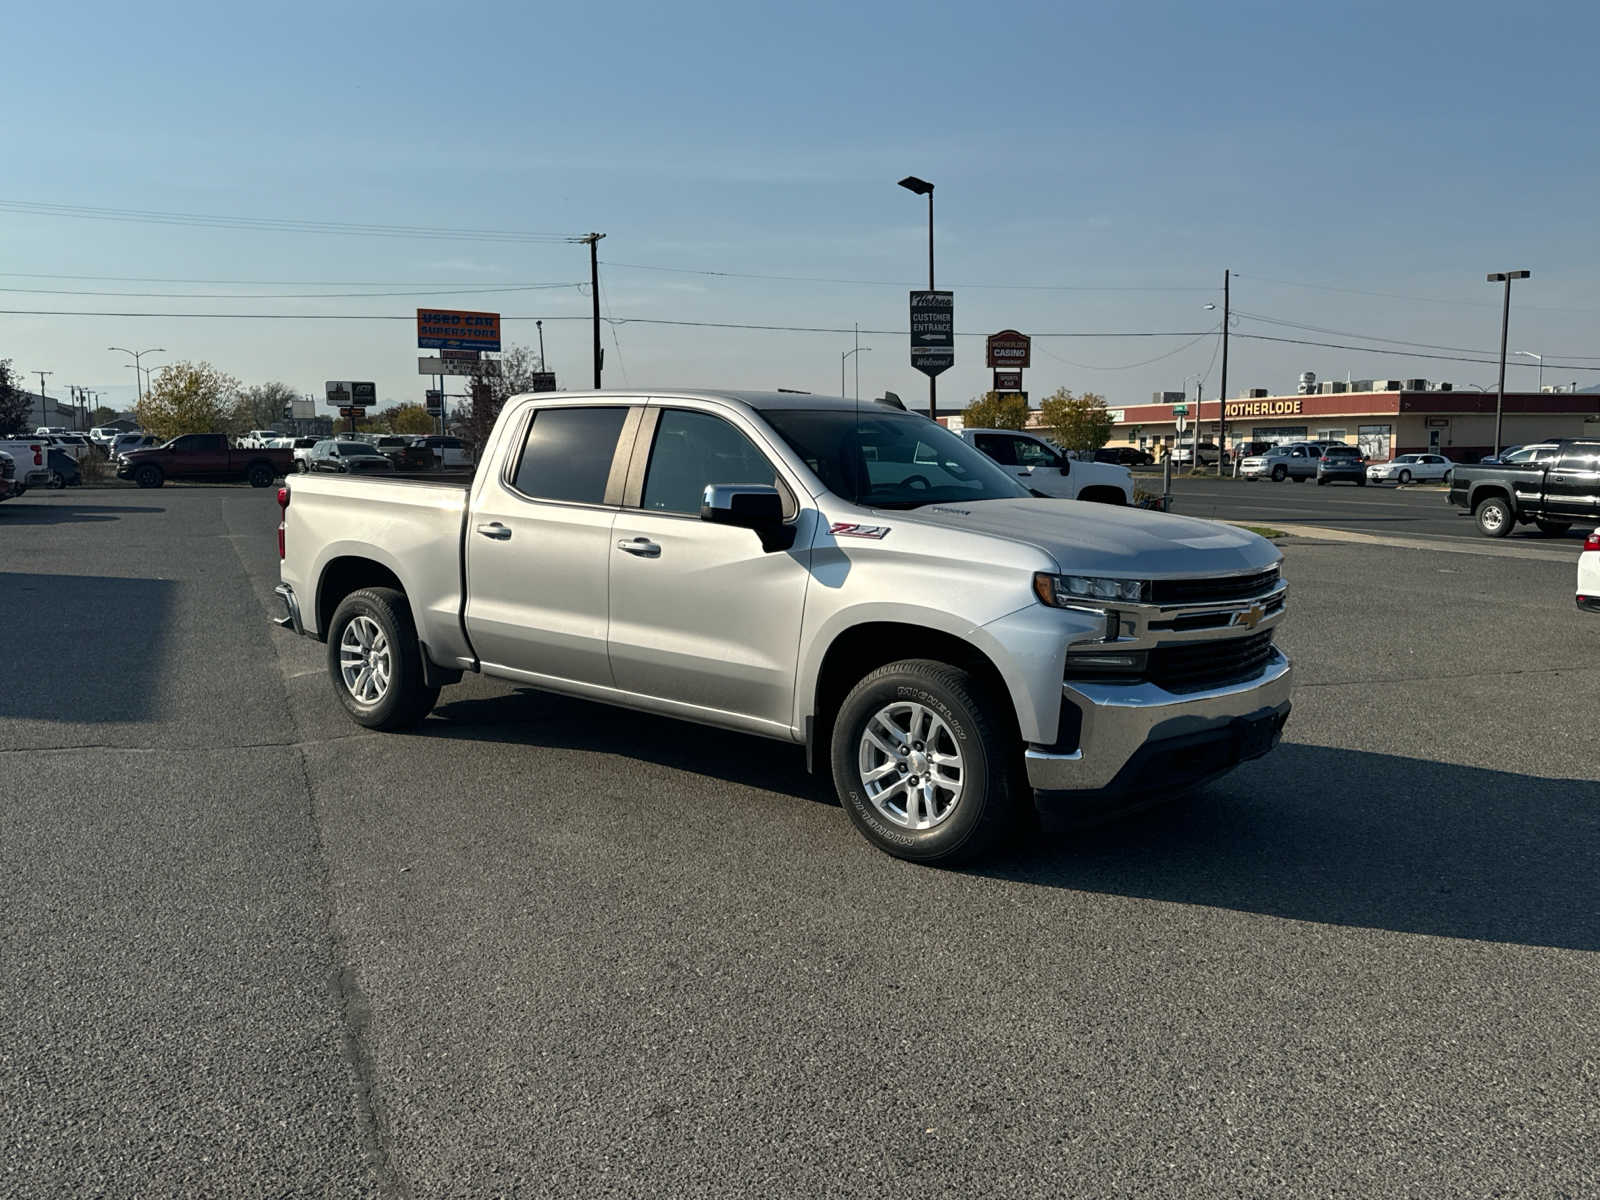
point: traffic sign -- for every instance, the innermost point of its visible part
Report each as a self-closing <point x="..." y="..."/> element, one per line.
<point x="435" y="400"/>
<point x="933" y="337"/>
<point x="1008" y="348"/>
<point x="1179" y="409"/>
<point x="1183" y="422"/>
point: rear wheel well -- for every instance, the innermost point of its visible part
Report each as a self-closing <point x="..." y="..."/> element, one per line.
<point x="1103" y="495"/>
<point x="1488" y="492"/>
<point x="345" y="575"/>
<point x="858" y="651"/>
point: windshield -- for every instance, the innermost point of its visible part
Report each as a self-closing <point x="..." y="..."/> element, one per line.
<point x="348" y="448"/>
<point x="891" y="460"/>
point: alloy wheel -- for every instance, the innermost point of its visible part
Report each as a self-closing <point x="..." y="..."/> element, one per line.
<point x="910" y="765"/>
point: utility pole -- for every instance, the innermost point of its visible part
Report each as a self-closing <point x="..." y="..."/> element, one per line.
<point x="1194" y="463"/>
<point x="44" y="418"/>
<point x="1505" y="326"/>
<point x="1222" y="395"/>
<point x="594" y="294"/>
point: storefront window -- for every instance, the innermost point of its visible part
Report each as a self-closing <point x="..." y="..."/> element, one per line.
<point x="1278" y="434"/>
<point x="1374" y="441"/>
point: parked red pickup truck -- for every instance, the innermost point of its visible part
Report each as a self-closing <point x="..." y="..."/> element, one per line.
<point x="203" y="456"/>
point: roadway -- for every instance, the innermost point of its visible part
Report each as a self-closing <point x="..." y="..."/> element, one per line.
<point x="543" y="948"/>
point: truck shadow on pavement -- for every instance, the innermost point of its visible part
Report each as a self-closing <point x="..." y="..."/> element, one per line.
<point x="24" y="512"/>
<point x="529" y="717"/>
<point x="1345" y="837"/>
<point x="109" y="680"/>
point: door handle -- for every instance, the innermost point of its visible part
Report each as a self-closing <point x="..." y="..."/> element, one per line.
<point x="496" y="531"/>
<point x="643" y="547"/>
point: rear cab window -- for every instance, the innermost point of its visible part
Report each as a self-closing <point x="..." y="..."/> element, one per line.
<point x="567" y="453"/>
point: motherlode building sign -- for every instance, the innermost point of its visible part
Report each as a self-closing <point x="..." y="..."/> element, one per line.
<point x="1264" y="408"/>
<point x="455" y="329"/>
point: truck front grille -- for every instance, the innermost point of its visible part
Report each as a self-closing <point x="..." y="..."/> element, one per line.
<point x="1203" y="591"/>
<point x="1192" y="666"/>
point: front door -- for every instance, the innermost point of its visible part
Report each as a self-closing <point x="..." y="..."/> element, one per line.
<point x="539" y="544"/>
<point x="200" y="455"/>
<point x="701" y="615"/>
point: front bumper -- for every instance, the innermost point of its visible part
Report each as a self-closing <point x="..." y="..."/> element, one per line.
<point x="1140" y="744"/>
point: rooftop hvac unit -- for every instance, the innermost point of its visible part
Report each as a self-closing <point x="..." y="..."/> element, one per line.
<point x="1416" y="385"/>
<point x="1361" y="385"/>
<point x="1386" y="385"/>
<point x="1445" y="387"/>
<point x="1168" y="397"/>
<point x="1257" y="394"/>
<point x="1333" y="387"/>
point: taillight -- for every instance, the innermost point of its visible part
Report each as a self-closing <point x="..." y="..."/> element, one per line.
<point x="1592" y="542"/>
<point x="283" y="511"/>
<point x="38" y="456"/>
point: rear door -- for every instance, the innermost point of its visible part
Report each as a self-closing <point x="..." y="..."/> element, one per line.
<point x="539" y="542"/>
<point x="701" y="615"/>
<point x="1572" y="484"/>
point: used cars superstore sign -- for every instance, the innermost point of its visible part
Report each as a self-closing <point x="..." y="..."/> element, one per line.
<point x="1263" y="408"/>
<point x="451" y="329"/>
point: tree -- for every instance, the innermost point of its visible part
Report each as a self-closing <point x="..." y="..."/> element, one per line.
<point x="262" y="406"/>
<point x="1076" y="422"/>
<point x="517" y="367"/>
<point x="102" y="416"/>
<point x="996" y="410"/>
<point x="406" y="418"/>
<point x="15" y="407"/>
<point x="189" y="398"/>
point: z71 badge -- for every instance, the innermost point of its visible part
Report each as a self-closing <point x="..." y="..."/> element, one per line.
<point x="851" y="529"/>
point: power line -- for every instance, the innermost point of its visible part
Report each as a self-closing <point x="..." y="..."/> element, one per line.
<point x="275" y="224"/>
<point x="435" y="291"/>
<point x="1349" y="291"/>
<point x="1485" y="362"/>
<point x="1373" y="337"/>
<point x="1130" y="366"/>
<point x="902" y="283"/>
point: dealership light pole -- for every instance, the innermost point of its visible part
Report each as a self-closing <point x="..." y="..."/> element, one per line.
<point x="847" y="354"/>
<point x="138" y="380"/>
<point x="923" y="188"/>
<point x="1504" y="277"/>
<point x="1222" y="392"/>
<point x="1540" y="357"/>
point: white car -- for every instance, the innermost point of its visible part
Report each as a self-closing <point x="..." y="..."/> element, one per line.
<point x="1411" y="468"/>
<point x="1589" y="574"/>
<point x="1043" y="468"/>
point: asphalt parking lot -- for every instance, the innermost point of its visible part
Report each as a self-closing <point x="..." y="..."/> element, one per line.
<point x="543" y="948"/>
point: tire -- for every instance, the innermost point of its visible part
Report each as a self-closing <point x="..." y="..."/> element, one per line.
<point x="260" y="475"/>
<point x="1321" y="482"/>
<point x="1361" y="482"/>
<point x="1554" y="528"/>
<point x="1448" y="478"/>
<point x="906" y="694"/>
<point x="1279" y="473"/>
<point x="57" y="480"/>
<point x="149" y="476"/>
<point x="402" y="700"/>
<point x="1494" y="517"/>
<point x="1405" y="477"/>
<point x="300" y="466"/>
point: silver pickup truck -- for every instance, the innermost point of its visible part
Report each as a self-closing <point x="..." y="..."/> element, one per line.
<point x="858" y="580"/>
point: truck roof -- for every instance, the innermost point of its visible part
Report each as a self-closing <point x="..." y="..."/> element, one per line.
<point x="761" y="401"/>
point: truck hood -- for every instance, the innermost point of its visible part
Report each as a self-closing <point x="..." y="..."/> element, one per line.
<point x="1092" y="538"/>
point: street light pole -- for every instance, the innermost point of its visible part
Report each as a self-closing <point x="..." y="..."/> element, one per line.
<point x="138" y="380"/>
<point x="1540" y="357"/>
<point x="853" y="353"/>
<point x="923" y="188"/>
<point x="1504" y="277"/>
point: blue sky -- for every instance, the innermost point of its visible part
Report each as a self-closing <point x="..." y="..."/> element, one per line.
<point x="1394" y="148"/>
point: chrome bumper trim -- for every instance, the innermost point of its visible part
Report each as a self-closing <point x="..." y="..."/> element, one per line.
<point x="1120" y="719"/>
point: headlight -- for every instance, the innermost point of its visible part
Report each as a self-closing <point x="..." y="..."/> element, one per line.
<point x="1071" y="591"/>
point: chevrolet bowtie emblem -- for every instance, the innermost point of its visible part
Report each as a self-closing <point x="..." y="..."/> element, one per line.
<point x="1250" y="617"/>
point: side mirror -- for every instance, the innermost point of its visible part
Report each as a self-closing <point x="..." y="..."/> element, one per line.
<point x="756" y="506"/>
<point x="1066" y="467"/>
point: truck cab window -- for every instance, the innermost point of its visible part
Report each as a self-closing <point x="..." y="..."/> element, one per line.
<point x="693" y="449"/>
<point x="567" y="454"/>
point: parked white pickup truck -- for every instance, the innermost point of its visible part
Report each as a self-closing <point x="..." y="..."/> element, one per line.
<point x="1044" y="469"/>
<point x="861" y="582"/>
<point x="31" y="454"/>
